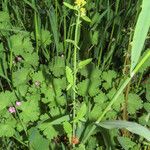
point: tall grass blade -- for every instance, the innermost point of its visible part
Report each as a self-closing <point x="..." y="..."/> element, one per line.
<point x="131" y="126"/>
<point x="141" y="30"/>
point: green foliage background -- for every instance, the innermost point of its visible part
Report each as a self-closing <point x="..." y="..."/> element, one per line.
<point x="34" y="53"/>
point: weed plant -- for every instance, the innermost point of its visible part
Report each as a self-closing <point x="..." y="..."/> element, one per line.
<point x="74" y="75"/>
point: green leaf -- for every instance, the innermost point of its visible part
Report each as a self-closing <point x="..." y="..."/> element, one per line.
<point x="126" y="143"/>
<point x="67" y="127"/>
<point x="95" y="38"/>
<point x="6" y="130"/>
<point x="69" y="75"/>
<point x="58" y="68"/>
<point x="20" y="76"/>
<point x="95" y="74"/>
<point x="30" y="59"/>
<point x="69" y="6"/>
<point x="147" y="62"/>
<point x="45" y="37"/>
<point x="147" y="107"/>
<point x="141" y="30"/>
<point x="95" y="112"/>
<point x="55" y="111"/>
<point x="38" y="76"/>
<point x="84" y="63"/>
<point x="23" y="88"/>
<point x="94" y="87"/>
<point x="37" y="141"/>
<point x="109" y="76"/>
<point x="148" y="89"/>
<point x="30" y="109"/>
<point x="68" y="87"/>
<point x="83" y="87"/>
<point x="81" y="113"/>
<point x="100" y="98"/>
<point x="56" y="121"/>
<point x="21" y="44"/>
<point x="81" y="147"/>
<point x="86" y="18"/>
<point x="4" y="23"/>
<point x="131" y="126"/>
<point x="4" y="16"/>
<point x="48" y="130"/>
<point x="49" y="93"/>
<point x="6" y="99"/>
<point x="61" y="100"/>
<point x="134" y="103"/>
<point x="116" y="106"/>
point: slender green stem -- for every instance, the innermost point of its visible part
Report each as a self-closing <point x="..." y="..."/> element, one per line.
<point x="20" y="141"/>
<point x="36" y="27"/>
<point x="69" y="36"/>
<point x="65" y="34"/>
<point x="128" y="79"/>
<point x="74" y="70"/>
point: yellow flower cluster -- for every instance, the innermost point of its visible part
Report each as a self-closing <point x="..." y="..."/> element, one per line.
<point x="82" y="11"/>
<point x="80" y="4"/>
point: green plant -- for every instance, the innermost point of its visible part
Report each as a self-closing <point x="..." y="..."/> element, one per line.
<point x="60" y="83"/>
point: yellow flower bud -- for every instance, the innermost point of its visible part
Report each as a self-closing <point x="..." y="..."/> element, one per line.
<point x="80" y="3"/>
<point x="83" y="11"/>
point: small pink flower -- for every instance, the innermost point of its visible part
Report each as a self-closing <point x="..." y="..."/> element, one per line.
<point x="12" y="109"/>
<point x="18" y="103"/>
<point x="18" y="58"/>
<point x="37" y="83"/>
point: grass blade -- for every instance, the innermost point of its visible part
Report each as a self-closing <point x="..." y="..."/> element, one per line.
<point x="131" y="126"/>
<point x="140" y="33"/>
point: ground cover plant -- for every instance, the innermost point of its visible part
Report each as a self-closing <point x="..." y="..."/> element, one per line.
<point x="74" y="74"/>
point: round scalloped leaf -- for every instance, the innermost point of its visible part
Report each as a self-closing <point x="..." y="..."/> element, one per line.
<point x="21" y="44"/>
<point x="100" y="98"/>
<point x="95" y="112"/>
<point x="6" y="130"/>
<point x="94" y="86"/>
<point x="6" y="99"/>
<point x="134" y="103"/>
<point x="116" y="106"/>
<point x="38" y="76"/>
<point x="48" y="130"/>
<point x="30" y="110"/>
<point x="109" y="76"/>
<point x="83" y="87"/>
<point x="20" y="76"/>
<point x="58" y="68"/>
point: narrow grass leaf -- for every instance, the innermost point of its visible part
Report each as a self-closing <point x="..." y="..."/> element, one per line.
<point x="140" y="33"/>
<point x="69" y="5"/>
<point x="131" y="126"/>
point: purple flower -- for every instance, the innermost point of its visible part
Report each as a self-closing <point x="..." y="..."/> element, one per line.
<point x="12" y="109"/>
<point x="18" y="103"/>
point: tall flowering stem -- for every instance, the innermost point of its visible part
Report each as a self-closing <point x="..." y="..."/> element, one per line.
<point x="75" y="70"/>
